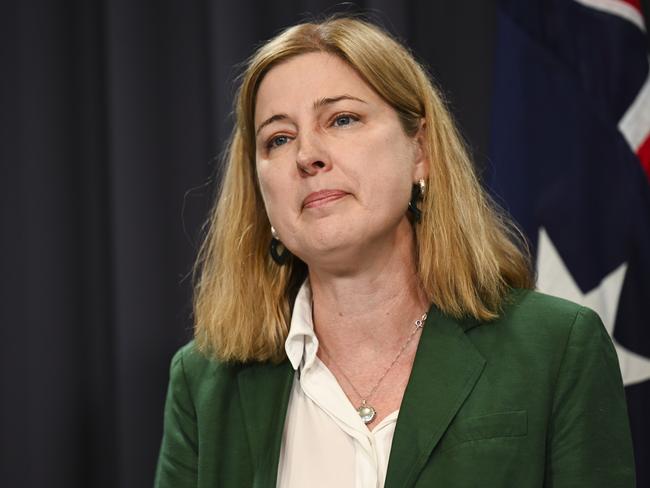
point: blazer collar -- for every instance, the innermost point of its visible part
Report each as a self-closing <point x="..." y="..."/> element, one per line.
<point x="445" y="370"/>
<point x="264" y="391"/>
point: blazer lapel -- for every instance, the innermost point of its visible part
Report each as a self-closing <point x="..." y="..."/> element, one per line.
<point x="445" y="370"/>
<point x="264" y="391"/>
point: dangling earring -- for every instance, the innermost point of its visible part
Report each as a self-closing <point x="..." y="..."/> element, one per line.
<point x="276" y="244"/>
<point x="417" y="193"/>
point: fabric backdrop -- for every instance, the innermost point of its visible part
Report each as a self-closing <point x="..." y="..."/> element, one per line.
<point x="570" y="158"/>
<point x="112" y="118"/>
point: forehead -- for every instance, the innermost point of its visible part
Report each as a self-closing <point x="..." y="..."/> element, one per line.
<point x="299" y="81"/>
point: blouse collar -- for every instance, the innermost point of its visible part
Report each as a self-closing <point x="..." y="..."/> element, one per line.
<point x="302" y="344"/>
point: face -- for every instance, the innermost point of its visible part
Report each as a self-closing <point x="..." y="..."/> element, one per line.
<point x="335" y="167"/>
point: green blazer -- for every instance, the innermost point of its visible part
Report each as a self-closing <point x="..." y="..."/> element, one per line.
<point x="533" y="399"/>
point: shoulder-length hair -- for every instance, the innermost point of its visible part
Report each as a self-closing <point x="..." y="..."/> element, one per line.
<point x="468" y="252"/>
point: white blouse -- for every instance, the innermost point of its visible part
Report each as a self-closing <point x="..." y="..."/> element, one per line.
<point x="325" y="443"/>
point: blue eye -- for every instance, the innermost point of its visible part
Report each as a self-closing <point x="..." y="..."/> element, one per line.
<point x="344" y="119"/>
<point x="277" y="141"/>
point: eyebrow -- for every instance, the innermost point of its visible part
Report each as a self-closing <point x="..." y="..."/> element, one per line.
<point x="321" y="102"/>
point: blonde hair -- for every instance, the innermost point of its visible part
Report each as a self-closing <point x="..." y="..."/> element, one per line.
<point x="468" y="252"/>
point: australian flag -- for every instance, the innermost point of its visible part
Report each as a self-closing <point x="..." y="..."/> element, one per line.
<point x="570" y="160"/>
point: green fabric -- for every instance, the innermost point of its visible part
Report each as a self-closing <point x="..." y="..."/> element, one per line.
<point x="533" y="399"/>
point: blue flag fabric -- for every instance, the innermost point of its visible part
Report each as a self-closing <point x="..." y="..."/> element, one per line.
<point x="569" y="161"/>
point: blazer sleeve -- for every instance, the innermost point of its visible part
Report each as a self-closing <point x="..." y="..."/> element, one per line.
<point x="177" y="461"/>
<point x="588" y="441"/>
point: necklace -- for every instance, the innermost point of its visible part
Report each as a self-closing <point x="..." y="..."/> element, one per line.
<point x="366" y="411"/>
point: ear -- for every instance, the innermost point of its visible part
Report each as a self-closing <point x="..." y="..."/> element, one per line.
<point x="421" y="166"/>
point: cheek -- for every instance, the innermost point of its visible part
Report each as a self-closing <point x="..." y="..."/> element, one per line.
<point x="389" y="195"/>
<point x="270" y="180"/>
<point x="388" y="181"/>
<point x="268" y="187"/>
<point x="276" y="190"/>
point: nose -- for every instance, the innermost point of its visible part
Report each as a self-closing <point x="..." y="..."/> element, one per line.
<point x="312" y="157"/>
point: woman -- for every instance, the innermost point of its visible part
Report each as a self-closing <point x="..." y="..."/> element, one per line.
<point x="388" y="335"/>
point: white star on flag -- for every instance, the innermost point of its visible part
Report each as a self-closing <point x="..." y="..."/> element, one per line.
<point x="554" y="278"/>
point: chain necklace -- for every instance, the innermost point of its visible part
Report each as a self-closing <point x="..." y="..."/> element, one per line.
<point x="366" y="411"/>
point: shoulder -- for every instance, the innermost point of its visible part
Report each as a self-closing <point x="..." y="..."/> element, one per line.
<point x="541" y="346"/>
<point x="531" y="304"/>
<point x="205" y="377"/>
<point x="531" y="310"/>
<point x="199" y="372"/>
<point x="537" y="324"/>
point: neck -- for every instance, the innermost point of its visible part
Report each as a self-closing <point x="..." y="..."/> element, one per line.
<point x="371" y="308"/>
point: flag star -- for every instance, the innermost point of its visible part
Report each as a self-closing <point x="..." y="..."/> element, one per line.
<point x="554" y="278"/>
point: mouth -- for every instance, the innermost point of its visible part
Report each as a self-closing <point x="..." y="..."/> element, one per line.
<point x="322" y="197"/>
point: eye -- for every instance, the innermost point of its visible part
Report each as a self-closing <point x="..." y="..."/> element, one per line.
<point x="277" y="141"/>
<point x="344" y="120"/>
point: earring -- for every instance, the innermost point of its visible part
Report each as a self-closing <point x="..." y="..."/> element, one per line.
<point x="274" y="249"/>
<point x="417" y="193"/>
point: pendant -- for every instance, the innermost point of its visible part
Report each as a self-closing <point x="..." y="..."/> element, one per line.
<point x="366" y="412"/>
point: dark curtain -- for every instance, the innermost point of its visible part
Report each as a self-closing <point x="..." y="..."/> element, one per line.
<point x="112" y="118"/>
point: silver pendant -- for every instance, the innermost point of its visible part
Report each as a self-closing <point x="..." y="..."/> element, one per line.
<point x="366" y="412"/>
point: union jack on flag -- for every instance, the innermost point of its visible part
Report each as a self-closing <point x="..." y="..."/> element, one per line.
<point x="570" y="160"/>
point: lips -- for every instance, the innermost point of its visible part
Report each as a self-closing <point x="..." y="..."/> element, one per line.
<point x="319" y="198"/>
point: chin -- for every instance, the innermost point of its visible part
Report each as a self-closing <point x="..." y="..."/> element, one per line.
<point x="327" y="248"/>
<point x="336" y="255"/>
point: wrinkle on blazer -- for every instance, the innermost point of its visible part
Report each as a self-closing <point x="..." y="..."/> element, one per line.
<point x="532" y="399"/>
